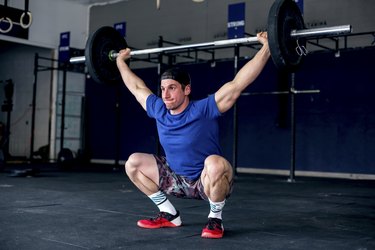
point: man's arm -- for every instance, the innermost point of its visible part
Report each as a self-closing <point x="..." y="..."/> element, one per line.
<point x="135" y="84"/>
<point x="228" y="94"/>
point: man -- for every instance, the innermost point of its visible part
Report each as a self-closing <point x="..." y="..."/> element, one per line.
<point x="188" y="130"/>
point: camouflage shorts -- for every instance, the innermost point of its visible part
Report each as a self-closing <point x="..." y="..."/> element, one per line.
<point x="179" y="186"/>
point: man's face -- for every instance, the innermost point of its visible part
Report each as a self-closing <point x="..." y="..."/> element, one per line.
<point x="174" y="97"/>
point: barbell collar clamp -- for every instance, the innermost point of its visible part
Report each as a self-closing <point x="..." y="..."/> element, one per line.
<point x="113" y="55"/>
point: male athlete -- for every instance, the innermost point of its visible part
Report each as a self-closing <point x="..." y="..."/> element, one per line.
<point x="193" y="165"/>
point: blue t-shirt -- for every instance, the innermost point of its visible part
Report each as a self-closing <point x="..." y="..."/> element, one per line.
<point x="187" y="138"/>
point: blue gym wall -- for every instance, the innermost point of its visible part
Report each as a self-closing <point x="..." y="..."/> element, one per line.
<point x="335" y="129"/>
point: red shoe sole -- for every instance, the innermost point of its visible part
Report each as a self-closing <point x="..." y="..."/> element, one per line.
<point x="155" y="226"/>
<point x="210" y="235"/>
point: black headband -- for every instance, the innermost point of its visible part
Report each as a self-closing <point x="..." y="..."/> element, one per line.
<point x="178" y="75"/>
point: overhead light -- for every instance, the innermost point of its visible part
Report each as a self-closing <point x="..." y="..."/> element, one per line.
<point x="198" y="1"/>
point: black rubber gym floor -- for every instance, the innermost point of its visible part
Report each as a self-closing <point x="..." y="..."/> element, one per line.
<point x="99" y="210"/>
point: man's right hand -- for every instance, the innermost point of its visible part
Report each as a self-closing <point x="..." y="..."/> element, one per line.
<point x="123" y="55"/>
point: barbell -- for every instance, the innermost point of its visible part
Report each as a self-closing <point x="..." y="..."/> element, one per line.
<point x="286" y="35"/>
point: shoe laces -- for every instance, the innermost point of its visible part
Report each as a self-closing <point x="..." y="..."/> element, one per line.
<point x="162" y="215"/>
<point x="159" y="216"/>
<point x="214" y="223"/>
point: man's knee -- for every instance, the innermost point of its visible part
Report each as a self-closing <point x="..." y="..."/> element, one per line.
<point x="217" y="166"/>
<point x="133" y="163"/>
<point x="217" y="177"/>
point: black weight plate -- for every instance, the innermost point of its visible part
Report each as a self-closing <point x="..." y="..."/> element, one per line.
<point x="98" y="46"/>
<point x="285" y="16"/>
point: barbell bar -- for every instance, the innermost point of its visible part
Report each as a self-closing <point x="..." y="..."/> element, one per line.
<point x="321" y="32"/>
<point x="304" y="33"/>
<point x="113" y="54"/>
<point x="286" y="32"/>
<point x="291" y="91"/>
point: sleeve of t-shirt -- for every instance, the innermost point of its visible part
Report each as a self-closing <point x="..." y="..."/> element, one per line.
<point x="153" y="105"/>
<point x="209" y="107"/>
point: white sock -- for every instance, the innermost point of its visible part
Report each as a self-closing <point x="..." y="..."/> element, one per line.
<point x="164" y="205"/>
<point x="216" y="209"/>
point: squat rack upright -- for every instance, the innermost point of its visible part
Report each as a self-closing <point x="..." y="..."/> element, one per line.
<point x="40" y="67"/>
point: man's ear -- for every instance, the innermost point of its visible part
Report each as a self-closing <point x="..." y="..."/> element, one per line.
<point x="187" y="89"/>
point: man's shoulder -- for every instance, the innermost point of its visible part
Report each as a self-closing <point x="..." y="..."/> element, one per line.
<point x="154" y="105"/>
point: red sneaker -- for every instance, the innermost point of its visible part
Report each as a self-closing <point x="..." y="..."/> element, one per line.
<point x="163" y="219"/>
<point x="214" y="229"/>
